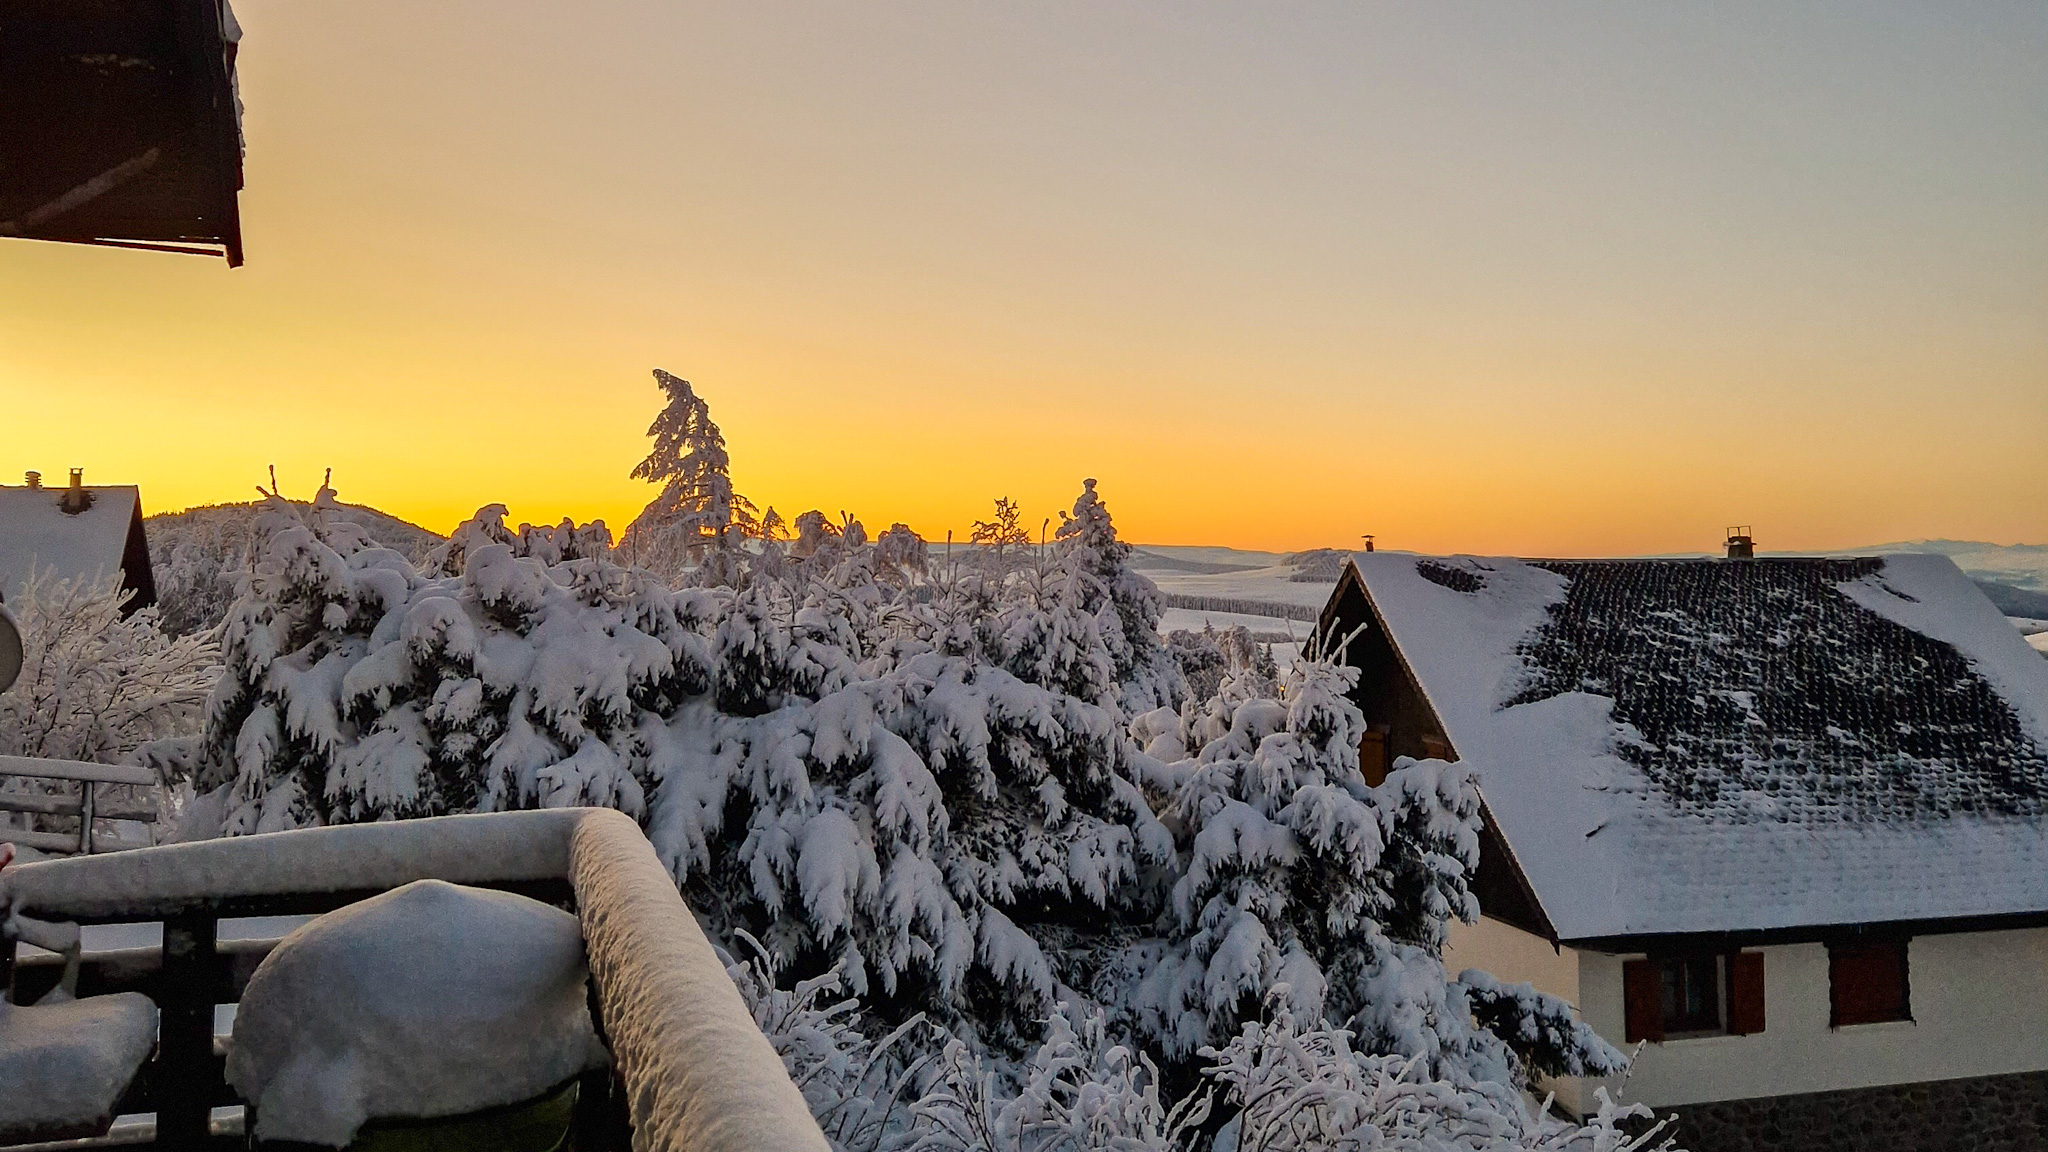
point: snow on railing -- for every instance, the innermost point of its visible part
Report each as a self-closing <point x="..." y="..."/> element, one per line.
<point x="698" y="1076"/>
<point x="88" y="777"/>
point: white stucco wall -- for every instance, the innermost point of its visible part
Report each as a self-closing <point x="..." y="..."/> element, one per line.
<point x="1979" y="1002"/>
<point x="1512" y="954"/>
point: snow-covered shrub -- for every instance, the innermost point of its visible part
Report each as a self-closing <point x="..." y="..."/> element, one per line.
<point x="861" y="1088"/>
<point x="1080" y="1090"/>
<point x="1299" y="1086"/>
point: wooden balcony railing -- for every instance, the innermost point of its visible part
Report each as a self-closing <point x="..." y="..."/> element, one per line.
<point x="84" y="806"/>
<point x="690" y="1071"/>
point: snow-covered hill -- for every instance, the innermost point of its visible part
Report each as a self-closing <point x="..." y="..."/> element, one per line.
<point x="2019" y="565"/>
<point x="215" y="522"/>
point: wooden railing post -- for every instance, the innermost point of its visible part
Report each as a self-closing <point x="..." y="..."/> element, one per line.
<point x="187" y="1076"/>
<point x="85" y="817"/>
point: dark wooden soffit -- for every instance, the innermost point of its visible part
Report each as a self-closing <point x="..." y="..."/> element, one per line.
<point x="1500" y="884"/>
<point x="120" y="125"/>
<point x="1671" y="943"/>
<point x="136" y="573"/>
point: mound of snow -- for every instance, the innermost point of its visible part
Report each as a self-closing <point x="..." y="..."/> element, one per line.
<point x="430" y="1000"/>
<point x="65" y="1065"/>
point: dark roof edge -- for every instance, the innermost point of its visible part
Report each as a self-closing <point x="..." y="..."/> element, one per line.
<point x="1808" y="933"/>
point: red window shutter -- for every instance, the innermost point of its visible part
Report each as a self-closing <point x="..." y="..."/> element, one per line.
<point x="1867" y="982"/>
<point x="1745" y="993"/>
<point x="1642" y="989"/>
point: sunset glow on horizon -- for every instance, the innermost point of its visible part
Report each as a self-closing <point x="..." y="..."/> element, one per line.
<point x="1572" y="280"/>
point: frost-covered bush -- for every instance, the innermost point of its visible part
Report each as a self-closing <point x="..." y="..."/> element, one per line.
<point x="1298" y="1086"/>
<point x="96" y="685"/>
<point x="1078" y="1090"/>
<point x="1279" y="1084"/>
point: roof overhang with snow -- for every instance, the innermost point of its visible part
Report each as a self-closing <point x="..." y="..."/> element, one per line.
<point x="122" y="126"/>
<point x="1756" y="747"/>
<point x="106" y="539"/>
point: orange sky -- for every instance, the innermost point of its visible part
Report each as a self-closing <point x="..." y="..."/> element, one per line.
<point x="1581" y="279"/>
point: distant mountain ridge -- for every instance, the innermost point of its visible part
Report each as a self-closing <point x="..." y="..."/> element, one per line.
<point x="2017" y="565"/>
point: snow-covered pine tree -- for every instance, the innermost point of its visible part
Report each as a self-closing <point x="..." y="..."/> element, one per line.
<point x="1125" y="600"/>
<point x="358" y="688"/>
<point x="1293" y="871"/>
<point x="697" y="506"/>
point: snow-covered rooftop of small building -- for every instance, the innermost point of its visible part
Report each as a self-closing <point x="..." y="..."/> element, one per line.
<point x="1677" y="746"/>
<point x="37" y="534"/>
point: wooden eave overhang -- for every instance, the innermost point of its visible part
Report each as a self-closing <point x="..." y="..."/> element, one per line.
<point x="121" y="127"/>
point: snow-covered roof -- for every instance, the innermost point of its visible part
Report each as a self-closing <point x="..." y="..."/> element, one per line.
<point x="1682" y="746"/>
<point x="37" y="534"/>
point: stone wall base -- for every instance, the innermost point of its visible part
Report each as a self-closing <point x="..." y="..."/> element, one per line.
<point x="1981" y="1114"/>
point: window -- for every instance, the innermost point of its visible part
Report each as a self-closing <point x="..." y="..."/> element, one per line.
<point x="1867" y="982"/>
<point x="1694" y="994"/>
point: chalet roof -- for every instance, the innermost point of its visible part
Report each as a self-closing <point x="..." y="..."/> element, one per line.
<point x="37" y="534"/>
<point x="1679" y="746"/>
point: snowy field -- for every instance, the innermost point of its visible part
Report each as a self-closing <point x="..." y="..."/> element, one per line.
<point x="1195" y="619"/>
<point x="2036" y="632"/>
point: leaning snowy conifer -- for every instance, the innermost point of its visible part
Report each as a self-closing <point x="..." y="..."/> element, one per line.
<point x="697" y="505"/>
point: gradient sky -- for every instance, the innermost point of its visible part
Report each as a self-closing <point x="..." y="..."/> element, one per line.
<point x="1547" y="278"/>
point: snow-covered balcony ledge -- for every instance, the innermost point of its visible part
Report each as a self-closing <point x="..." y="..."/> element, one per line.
<point x="696" y="1074"/>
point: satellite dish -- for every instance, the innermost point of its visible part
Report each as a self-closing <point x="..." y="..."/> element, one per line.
<point x="10" y="649"/>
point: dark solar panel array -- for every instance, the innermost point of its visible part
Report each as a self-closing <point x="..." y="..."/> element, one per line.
<point x="1761" y="692"/>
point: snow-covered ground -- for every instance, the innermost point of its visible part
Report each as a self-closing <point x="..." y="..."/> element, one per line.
<point x="2036" y="632"/>
<point x="1195" y="619"/>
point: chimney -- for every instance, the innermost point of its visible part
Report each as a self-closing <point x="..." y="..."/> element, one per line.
<point x="75" y="499"/>
<point x="1741" y="546"/>
<point x="1368" y="542"/>
<point x="35" y="479"/>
